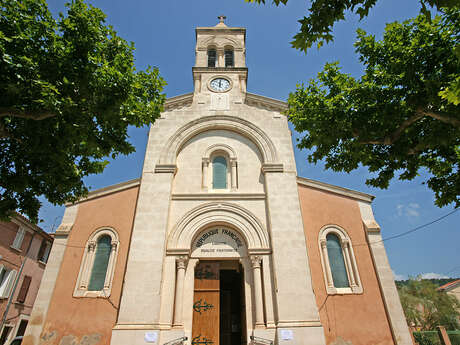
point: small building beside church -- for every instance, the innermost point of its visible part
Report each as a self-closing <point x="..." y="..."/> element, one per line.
<point x="219" y="242"/>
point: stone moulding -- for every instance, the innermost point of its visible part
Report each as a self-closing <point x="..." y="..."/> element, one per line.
<point x="335" y="189"/>
<point x="178" y="101"/>
<point x="166" y="168"/>
<point x="269" y="167"/>
<point x="266" y="102"/>
<point x="221" y="213"/>
<point x="108" y="190"/>
<point x="219" y="196"/>
<point x="231" y="123"/>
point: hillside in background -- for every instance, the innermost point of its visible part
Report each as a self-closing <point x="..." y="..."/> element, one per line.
<point x="438" y="282"/>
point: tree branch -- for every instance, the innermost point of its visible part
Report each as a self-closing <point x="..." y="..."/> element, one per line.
<point x="36" y="116"/>
<point x="392" y="138"/>
<point x="446" y="119"/>
<point x="3" y="132"/>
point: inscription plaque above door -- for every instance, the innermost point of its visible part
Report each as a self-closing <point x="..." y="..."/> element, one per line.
<point x="219" y="242"/>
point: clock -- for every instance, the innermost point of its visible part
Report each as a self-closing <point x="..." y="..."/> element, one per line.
<point x="220" y="84"/>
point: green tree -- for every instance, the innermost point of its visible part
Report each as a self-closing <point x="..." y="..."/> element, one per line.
<point x="392" y="119"/>
<point x="426" y="307"/>
<point x="323" y="14"/>
<point x="68" y="91"/>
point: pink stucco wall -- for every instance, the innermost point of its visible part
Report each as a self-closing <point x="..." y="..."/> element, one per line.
<point x="358" y="318"/>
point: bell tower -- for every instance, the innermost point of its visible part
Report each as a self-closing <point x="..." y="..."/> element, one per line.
<point x="220" y="71"/>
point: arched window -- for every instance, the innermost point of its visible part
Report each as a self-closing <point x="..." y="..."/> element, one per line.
<point x="101" y="262"/>
<point x="336" y="262"/>
<point x="219" y="169"/>
<point x="229" y="58"/>
<point x="212" y="57"/>
<point x="98" y="265"/>
<point x="219" y="173"/>
<point x="341" y="274"/>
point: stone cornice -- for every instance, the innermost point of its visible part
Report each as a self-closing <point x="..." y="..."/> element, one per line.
<point x="335" y="189"/>
<point x="265" y="102"/>
<point x="178" y="101"/>
<point x="165" y="168"/>
<point x="221" y="30"/>
<point x="108" y="190"/>
<point x="226" y="70"/>
<point x="219" y="196"/>
<point x="272" y="167"/>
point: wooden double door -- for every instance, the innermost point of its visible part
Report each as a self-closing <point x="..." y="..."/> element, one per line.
<point x="218" y="305"/>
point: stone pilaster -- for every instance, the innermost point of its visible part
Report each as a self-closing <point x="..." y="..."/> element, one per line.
<point x="181" y="263"/>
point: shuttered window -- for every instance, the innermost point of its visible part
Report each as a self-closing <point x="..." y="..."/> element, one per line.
<point x="24" y="289"/>
<point x="7" y="277"/>
<point x="101" y="261"/>
<point x="336" y="261"/>
<point x="212" y="58"/>
<point x="219" y="173"/>
<point x="17" y="243"/>
<point x="44" y="251"/>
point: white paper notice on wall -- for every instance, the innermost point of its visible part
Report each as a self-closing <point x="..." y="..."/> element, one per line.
<point x="150" y="337"/>
<point x="286" y="334"/>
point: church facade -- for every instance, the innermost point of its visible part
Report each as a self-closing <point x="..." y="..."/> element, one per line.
<point x="219" y="241"/>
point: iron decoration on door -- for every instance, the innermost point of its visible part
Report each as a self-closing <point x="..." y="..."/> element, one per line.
<point x="206" y="304"/>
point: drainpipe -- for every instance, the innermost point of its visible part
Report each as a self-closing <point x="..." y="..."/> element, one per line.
<point x="10" y="299"/>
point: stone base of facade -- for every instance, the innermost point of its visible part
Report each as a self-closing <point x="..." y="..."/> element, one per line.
<point x="145" y="336"/>
<point x="299" y="336"/>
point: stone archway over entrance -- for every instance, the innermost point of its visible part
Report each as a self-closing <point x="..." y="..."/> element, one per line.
<point x="232" y="242"/>
<point x="251" y="229"/>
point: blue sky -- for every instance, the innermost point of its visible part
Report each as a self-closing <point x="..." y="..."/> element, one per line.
<point x="164" y="36"/>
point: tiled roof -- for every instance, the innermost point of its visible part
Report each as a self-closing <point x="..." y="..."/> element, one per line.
<point x="449" y="285"/>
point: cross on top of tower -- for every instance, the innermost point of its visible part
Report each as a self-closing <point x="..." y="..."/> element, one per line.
<point x="222" y="19"/>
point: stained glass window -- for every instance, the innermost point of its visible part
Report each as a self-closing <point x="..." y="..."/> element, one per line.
<point x="336" y="261"/>
<point x="219" y="173"/>
<point x="101" y="262"/>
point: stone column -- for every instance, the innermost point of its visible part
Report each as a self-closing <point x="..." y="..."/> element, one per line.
<point x="234" y="176"/>
<point x="181" y="262"/>
<point x="86" y="269"/>
<point x="351" y="273"/>
<point x="205" y="167"/>
<point x="220" y="57"/>
<point x="108" y="276"/>
<point x="258" y="302"/>
<point x="327" y="266"/>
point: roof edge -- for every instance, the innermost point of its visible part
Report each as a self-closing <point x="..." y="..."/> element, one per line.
<point x="449" y="286"/>
<point x="107" y="190"/>
<point x="178" y="101"/>
<point x="21" y="220"/>
<point x="335" y="189"/>
<point x="276" y="104"/>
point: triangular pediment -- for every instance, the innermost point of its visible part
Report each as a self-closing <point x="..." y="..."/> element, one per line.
<point x="265" y="103"/>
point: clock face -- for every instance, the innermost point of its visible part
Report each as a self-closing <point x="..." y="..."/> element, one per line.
<point x="220" y="84"/>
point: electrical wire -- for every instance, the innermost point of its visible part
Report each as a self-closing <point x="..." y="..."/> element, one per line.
<point x="420" y="227"/>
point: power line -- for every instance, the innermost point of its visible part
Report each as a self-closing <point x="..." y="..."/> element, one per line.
<point x="409" y="231"/>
